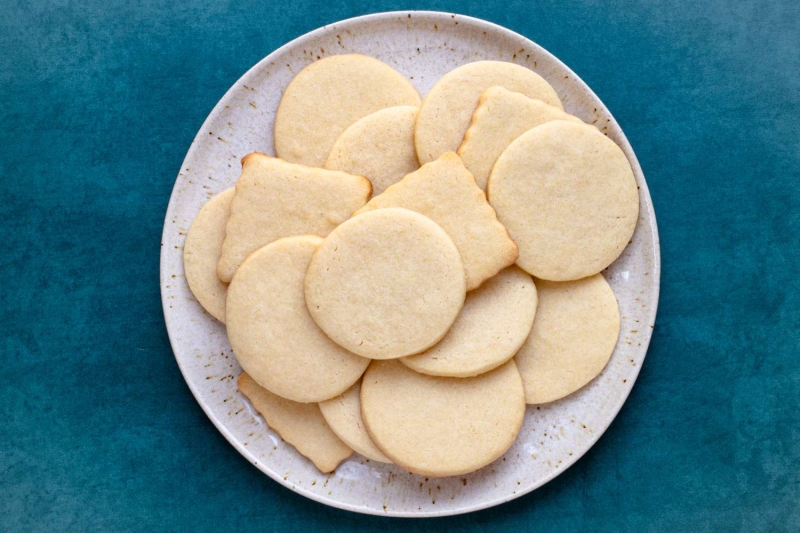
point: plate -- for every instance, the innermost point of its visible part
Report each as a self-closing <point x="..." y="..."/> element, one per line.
<point x="423" y="46"/>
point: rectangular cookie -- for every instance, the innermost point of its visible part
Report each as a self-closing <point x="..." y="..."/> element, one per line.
<point x="276" y="199"/>
<point x="299" y="424"/>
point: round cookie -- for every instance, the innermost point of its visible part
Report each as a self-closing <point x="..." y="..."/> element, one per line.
<point x="494" y="323"/>
<point x="447" y="110"/>
<point x="386" y="284"/>
<point x="573" y="337"/>
<point x="343" y="415"/>
<point x="379" y="147"/>
<point x="329" y="95"/>
<point x="567" y="195"/>
<point x="271" y="333"/>
<point x="437" y="426"/>
<point x="201" y="252"/>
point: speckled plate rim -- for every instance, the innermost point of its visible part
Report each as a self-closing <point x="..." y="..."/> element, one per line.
<point x="624" y="144"/>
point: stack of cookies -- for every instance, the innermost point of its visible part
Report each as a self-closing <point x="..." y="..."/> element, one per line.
<point x="407" y="274"/>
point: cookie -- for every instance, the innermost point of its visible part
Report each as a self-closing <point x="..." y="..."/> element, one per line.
<point x="495" y="321"/>
<point x="329" y="95"/>
<point x="445" y="192"/>
<point x="343" y="415"/>
<point x="435" y="426"/>
<point x="568" y="197"/>
<point x="276" y="199"/>
<point x="501" y="117"/>
<point x="386" y="284"/>
<point x="573" y="337"/>
<point x="201" y="252"/>
<point x="446" y="111"/>
<point x="299" y="424"/>
<point x="379" y="147"/>
<point x="271" y="333"/>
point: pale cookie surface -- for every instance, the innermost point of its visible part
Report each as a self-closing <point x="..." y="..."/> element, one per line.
<point x="299" y="424"/>
<point x="271" y="333"/>
<point x="386" y="284"/>
<point x="573" y="337"/>
<point x="201" y="252"/>
<point x="447" y="109"/>
<point x="445" y="192"/>
<point x="343" y="415"/>
<point x="568" y="197"/>
<point x="501" y="117"/>
<point x="495" y="321"/>
<point x="276" y="199"/>
<point x="437" y="426"/>
<point x="329" y="95"/>
<point x="379" y="147"/>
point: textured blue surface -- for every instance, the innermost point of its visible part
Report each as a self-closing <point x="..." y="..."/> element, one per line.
<point x="100" y="101"/>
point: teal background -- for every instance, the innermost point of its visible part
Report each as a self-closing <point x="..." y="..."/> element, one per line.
<point x="99" y="102"/>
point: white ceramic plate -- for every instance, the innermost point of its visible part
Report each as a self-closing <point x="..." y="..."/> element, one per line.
<point x="423" y="46"/>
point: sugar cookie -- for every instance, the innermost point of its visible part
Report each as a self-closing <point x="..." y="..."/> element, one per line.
<point x="299" y="424"/>
<point x="343" y="415"/>
<point x="386" y="284"/>
<point x="379" y="147"/>
<point x="437" y="426"/>
<point x="328" y="96"/>
<point x="445" y="192"/>
<point x="568" y="197"/>
<point x="277" y="199"/>
<point x="447" y="109"/>
<point x="495" y="321"/>
<point x="501" y="117"/>
<point x="201" y="252"/>
<point x="573" y="337"/>
<point x="271" y="333"/>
